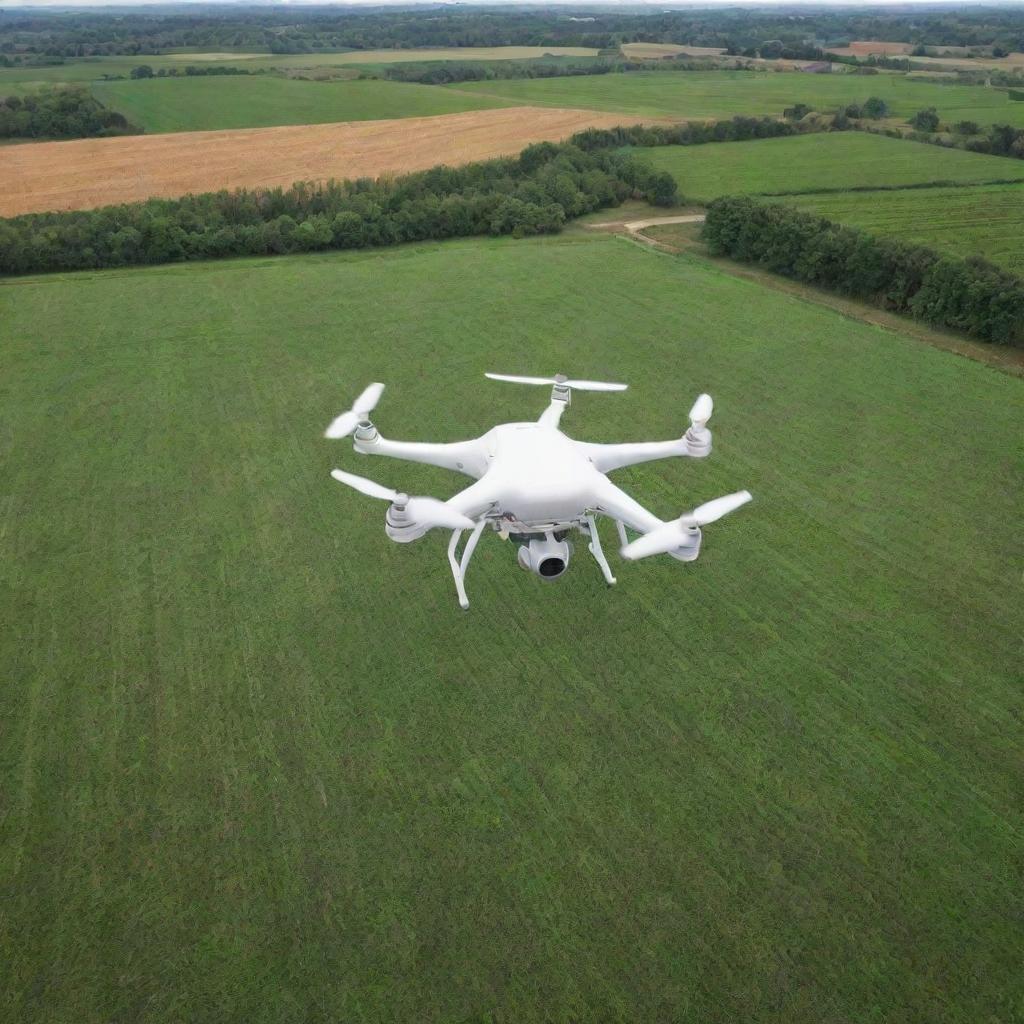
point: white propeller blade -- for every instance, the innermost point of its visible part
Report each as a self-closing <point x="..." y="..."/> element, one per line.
<point x="672" y="535"/>
<point x="364" y="486"/>
<point x="573" y="385"/>
<point x="428" y="512"/>
<point x="701" y="411"/>
<point x="343" y="425"/>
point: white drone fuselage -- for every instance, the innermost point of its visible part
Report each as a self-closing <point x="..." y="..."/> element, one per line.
<point x="533" y="481"/>
<point x="541" y="479"/>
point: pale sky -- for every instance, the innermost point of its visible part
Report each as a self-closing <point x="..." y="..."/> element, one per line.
<point x="657" y="5"/>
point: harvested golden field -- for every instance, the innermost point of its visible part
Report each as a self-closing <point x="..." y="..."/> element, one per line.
<point x="653" y="51"/>
<point x="456" y="53"/>
<point x="866" y="47"/>
<point x="86" y="173"/>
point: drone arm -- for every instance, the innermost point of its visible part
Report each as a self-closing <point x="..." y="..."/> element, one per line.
<point x="614" y="502"/>
<point x="695" y="443"/>
<point x="606" y="457"/>
<point x="467" y="457"/>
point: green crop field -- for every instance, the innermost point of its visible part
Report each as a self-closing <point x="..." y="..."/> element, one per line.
<point x="91" y="69"/>
<point x="200" y="104"/>
<point x="805" y="163"/>
<point x="259" y="766"/>
<point x="986" y="220"/>
<point x="725" y="93"/>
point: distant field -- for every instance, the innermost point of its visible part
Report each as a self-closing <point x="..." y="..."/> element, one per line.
<point x="820" y="161"/>
<point x="95" y="172"/>
<point x="866" y="47"/>
<point x="258" y="766"/>
<point x="648" y="51"/>
<point x="211" y="103"/>
<point x="984" y="221"/>
<point x="725" y="93"/>
<point x="95" y="68"/>
<point x="460" y="53"/>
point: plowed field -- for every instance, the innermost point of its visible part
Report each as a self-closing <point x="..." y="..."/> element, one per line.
<point x="95" y="172"/>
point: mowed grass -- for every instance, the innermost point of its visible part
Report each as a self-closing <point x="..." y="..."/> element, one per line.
<point x="715" y="94"/>
<point x="986" y="220"/>
<point x="206" y="103"/>
<point x="833" y="160"/>
<point x="259" y="766"/>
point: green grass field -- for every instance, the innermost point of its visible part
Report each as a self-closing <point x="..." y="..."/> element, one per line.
<point x="201" y="104"/>
<point x="259" y="766"/>
<point x="987" y="220"/>
<point x="92" y="69"/>
<point x="805" y="163"/>
<point x="725" y="93"/>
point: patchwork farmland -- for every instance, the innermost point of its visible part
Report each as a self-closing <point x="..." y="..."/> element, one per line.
<point x="95" y="172"/>
<point x="256" y="764"/>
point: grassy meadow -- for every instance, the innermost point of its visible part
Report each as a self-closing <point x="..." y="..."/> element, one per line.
<point x="202" y="104"/>
<point x="716" y="94"/>
<point x="833" y="160"/>
<point x="259" y="766"/>
<point x="985" y="220"/>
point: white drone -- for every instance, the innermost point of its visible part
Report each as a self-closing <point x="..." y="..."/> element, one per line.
<point x="535" y="484"/>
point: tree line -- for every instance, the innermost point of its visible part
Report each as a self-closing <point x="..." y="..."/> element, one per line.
<point x="70" y="112"/>
<point x="969" y="295"/>
<point x="696" y="133"/>
<point x="533" y="193"/>
<point x="69" y="34"/>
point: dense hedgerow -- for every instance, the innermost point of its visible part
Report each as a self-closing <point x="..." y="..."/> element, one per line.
<point x="533" y="193"/>
<point x="737" y="129"/>
<point x="969" y="294"/>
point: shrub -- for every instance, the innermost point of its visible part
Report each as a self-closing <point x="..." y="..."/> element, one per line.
<point x="926" y="120"/>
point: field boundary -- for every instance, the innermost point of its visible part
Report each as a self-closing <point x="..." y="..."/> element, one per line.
<point x="1003" y="358"/>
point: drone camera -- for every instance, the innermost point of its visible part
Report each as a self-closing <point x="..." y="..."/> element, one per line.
<point x="546" y="556"/>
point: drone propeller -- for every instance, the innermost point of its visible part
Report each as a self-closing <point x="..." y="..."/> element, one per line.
<point x="428" y="512"/>
<point x="672" y="535"/>
<point x="572" y="385"/>
<point x="701" y="411"/>
<point x="344" y="424"/>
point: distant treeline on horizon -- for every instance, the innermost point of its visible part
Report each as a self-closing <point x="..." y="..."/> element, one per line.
<point x="31" y="34"/>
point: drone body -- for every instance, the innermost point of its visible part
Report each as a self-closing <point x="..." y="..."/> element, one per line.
<point x="536" y="485"/>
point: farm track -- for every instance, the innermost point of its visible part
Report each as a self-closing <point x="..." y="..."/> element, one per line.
<point x="87" y="173"/>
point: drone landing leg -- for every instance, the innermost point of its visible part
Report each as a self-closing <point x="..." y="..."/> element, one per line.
<point x="623" y="539"/>
<point x="597" y="551"/>
<point x="459" y="566"/>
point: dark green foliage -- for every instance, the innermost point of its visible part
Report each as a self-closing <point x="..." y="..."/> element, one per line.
<point x="926" y="120"/>
<point x="531" y="194"/>
<point x="36" y="36"/>
<point x="445" y="72"/>
<point x="65" y="113"/>
<point x="875" y="108"/>
<point x="736" y="129"/>
<point x="1015" y="94"/>
<point x="142" y="71"/>
<point x="966" y="128"/>
<point x="797" y="112"/>
<point x="969" y="295"/>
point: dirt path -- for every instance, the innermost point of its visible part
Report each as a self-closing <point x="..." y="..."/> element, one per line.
<point x="85" y="173"/>
<point x="635" y="227"/>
